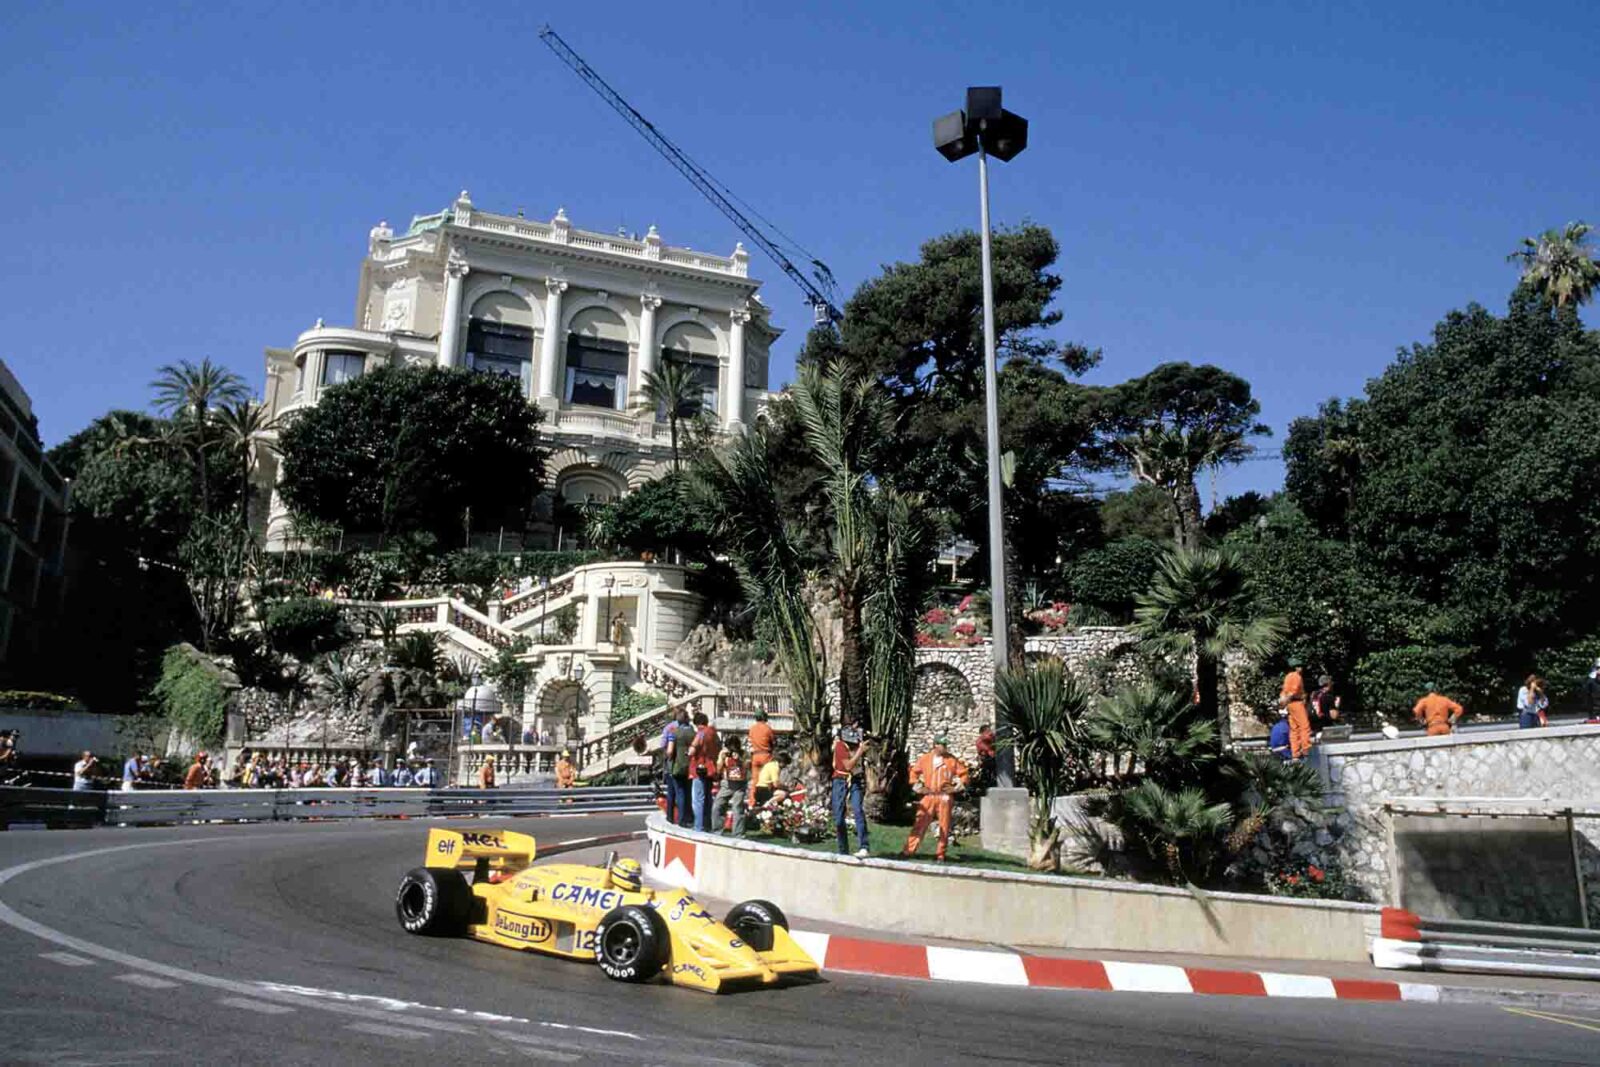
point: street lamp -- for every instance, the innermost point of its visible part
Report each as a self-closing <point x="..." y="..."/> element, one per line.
<point x="606" y="583"/>
<point x="988" y="129"/>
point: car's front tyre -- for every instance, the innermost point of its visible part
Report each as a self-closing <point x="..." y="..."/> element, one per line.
<point x="433" y="902"/>
<point x="753" y="921"/>
<point x="630" y="944"/>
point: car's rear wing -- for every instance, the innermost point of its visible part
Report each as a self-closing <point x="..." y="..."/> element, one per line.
<point x="497" y="849"/>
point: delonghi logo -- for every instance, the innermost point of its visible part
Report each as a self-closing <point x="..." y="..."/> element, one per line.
<point x="586" y="896"/>
<point x="483" y="840"/>
<point x="524" y="928"/>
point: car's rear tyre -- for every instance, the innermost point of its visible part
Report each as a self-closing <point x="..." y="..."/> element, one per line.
<point x="753" y="922"/>
<point x="434" y="902"/>
<point x="630" y="944"/>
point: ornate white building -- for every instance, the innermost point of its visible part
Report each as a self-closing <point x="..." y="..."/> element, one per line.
<point x="576" y="317"/>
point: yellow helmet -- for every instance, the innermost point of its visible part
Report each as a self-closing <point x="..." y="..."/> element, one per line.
<point x="625" y="874"/>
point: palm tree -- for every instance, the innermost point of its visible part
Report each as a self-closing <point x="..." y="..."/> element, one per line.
<point x="735" y="486"/>
<point x="1202" y="606"/>
<point x="341" y="676"/>
<point x="1181" y="829"/>
<point x="1559" y="266"/>
<point x="188" y="392"/>
<point x="673" y="390"/>
<point x="244" y="432"/>
<point x="1156" y="728"/>
<point x="1169" y="458"/>
<point x="900" y="576"/>
<point x="1044" y="708"/>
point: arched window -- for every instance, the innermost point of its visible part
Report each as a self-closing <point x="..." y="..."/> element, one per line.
<point x="693" y="346"/>
<point x="597" y="359"/>
<point x="500" y="338"/>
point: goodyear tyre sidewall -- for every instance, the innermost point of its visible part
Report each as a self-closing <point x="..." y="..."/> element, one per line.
<point x="652" y="946"/>
<point x="436" y="917"/>
<point x="767" y="916"/>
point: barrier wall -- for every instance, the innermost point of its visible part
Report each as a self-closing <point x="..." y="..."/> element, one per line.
<point x="925" y="900"/>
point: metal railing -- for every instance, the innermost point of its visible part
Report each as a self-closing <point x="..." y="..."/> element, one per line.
<point x="65" y="807"/>
<point x="1408" y="941"/>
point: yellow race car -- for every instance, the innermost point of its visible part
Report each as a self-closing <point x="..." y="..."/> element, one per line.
<point x="582" y="912"/>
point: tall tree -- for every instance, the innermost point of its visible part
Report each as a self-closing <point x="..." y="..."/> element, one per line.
<point x="1559" y="266"/>
<point x="673" y="391"/>
<point x="409" y="449"/>
<point x="244" y="433"/>
<point x="1202" y="605"/>
<point x="1174" y="422"/>
<point x="1322" y="463"/>
<point x="188" y="392"/>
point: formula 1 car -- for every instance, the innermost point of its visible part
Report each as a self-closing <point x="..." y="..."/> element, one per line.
<point x="602" y="913"/>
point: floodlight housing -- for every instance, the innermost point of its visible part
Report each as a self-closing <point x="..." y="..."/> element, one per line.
<point x="1004" y="138"/>
<point x="952" y="137"/>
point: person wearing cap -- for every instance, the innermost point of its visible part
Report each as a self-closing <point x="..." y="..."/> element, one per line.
<point x="486" y="773"/>
<point x="566" y="773"/>
<point x="936" y="777"/>
<point x="761" y="737"/>
<point x="196" y="777"/>
<point x="402" y="777"/>
<point x="1292" y="698"/>
<point x="427" y="776"/>
<point x="1278" y="737"/>
<point x="1437" y="712"/>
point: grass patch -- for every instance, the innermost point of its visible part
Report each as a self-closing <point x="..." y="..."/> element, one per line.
<point x="889" y="842"/>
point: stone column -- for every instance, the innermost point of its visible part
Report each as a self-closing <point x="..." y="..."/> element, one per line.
<point x="590" y="635"/>
<point x="550" y="353"/>
<point x="455" y="273"/>
<point x="648" y="303"/>
<point x="733" y="407"/>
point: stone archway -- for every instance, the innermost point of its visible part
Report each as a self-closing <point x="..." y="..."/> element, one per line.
<point x="942" y="703"/>
<point x="562" y="706"/>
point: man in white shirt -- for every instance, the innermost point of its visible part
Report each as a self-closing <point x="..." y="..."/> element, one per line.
<point x="81" y="772"/>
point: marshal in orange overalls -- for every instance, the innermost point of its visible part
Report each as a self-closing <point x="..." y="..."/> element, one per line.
<point x="941" y="776"/>
<point x="762" y="737"/>
<point x="1438" y="713"/>
<point x="1293" y="697"/>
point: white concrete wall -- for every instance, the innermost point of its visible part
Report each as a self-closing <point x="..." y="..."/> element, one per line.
<point x="65" y="733"/>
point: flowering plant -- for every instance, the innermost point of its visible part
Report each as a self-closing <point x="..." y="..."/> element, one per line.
<point x="945" y="627"/>
<point x="1307" y="879"/>
<point x="800" y="820"/>
<point x="1052" y="618"/>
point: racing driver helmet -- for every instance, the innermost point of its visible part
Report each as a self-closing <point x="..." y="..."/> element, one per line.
<point x="625" y="874"/>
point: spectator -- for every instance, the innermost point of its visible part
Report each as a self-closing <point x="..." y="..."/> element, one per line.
<point x="1325" y="704"/>
<point x="566" y="773"/>
<point x="8" y="748"/>
<point x="678" y="745"/>
<point x="381" y="776"/>
<point x="1292" y="695"/>
<point x="705" y="752"/>
<point x="527" y="733"/>
<point x="1437" y="712"/>
<point x="83" y="771"/>
<point x="297" y="777"/>
<point x="427" y="777"/>
<point x="732" y="789"/>
<point x="762" y="739"/>
<point x="1532" y="703"/>
<point x="196" y="777"/>
<point x="486" y="773"/>
<point x="402" y="777"/>
<point x="132" y="771"/>
<point x="986" y="755"/>
<point x="850" y="783"/>
<point x="1591" y="687"/>
<point x="937" y="777"/>
<point x="1278" y="738"/>
<point x="769" y="790"/>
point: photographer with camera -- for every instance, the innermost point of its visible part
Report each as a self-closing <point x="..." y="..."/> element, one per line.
<point x="850" y="782"/>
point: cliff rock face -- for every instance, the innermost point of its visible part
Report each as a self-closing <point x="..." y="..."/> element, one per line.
<point x="709" y="650"/>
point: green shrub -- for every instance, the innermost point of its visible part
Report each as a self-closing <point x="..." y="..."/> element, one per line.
<point x="634" y="703"/>
<point x="191" y="695"/>
<point x="305" y="627"/>
<point x="28" y="700"/>
<point x="1567" y="668"/>
<point x="1392" y="681"/>
<point x="546" y="564"/>
<point x="1110" y="578"/>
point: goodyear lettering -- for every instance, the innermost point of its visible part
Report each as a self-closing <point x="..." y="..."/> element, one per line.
<point x="522" y="927"/>
<point x="586" y="896"/>
<point x="483" y="840"/>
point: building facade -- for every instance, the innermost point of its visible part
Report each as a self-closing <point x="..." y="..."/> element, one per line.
<point x="33" y="526"/>
<point x="576" y="318"/>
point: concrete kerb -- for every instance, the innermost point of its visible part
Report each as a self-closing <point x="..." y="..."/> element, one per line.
<point x="1003" y="907"/>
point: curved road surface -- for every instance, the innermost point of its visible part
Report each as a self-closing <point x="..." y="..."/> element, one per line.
<point x="252" y="944"/>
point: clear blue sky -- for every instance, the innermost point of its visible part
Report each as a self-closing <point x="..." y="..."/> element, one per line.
<point x="1288" y="190"/>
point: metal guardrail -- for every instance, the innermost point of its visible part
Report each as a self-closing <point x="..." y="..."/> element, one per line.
<point x="1408" y="941"/>
<point x="64" y="807"/>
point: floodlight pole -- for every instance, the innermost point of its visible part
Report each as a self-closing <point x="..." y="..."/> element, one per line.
<point x="1004" y="761"/>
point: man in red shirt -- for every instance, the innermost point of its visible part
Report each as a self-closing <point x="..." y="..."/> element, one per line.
<point x="937" y="777"/>
<point x="986" y="755"/>
<point x="849" y="783"/>
<point x="704" y="752"/>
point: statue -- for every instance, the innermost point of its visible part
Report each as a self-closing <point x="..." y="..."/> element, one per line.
<point x="619" y="630"/>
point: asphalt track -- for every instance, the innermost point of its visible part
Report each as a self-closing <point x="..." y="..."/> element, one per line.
<point x="258" y="944"/>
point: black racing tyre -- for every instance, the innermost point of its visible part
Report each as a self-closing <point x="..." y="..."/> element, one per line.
<point x="434" y="902"/>
<point x="753" y="921"/>
<point x="630" y="944"/>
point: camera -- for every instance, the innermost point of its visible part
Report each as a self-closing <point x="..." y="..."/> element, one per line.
<point x="851" y="735"/>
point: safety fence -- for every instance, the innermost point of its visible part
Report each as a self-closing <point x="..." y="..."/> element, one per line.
<point x="1410" y="942"/>
<point x="69" y="808"/>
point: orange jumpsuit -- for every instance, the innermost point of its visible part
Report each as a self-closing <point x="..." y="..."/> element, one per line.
<point x="762" y="738"/>
<point x="1293" y="697"/>
<point x="566" y="774"/>
<point x="1438" y="713"/>
<point x="486" y="776"/>
<point x="938" y="783"/>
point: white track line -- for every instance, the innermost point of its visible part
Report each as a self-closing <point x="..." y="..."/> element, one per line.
<point x="383" y="1030"/>
<point x="66" y="959"/>
<point x="147" y="981"/>
<point x="263" y="1007"/>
